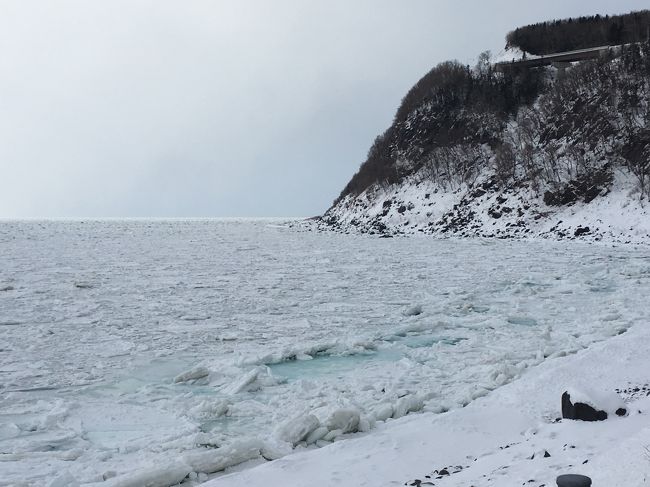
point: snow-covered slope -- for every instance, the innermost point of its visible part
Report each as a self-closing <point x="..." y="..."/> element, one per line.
<point x="486" y="210"/>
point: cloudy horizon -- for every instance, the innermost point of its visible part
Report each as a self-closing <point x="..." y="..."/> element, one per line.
<point x="154" y="108"/>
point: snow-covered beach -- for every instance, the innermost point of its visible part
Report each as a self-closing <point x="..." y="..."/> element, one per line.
<point x="153" y="352"/>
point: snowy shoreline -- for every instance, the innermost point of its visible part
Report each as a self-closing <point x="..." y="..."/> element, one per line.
<point x="484" y="210"/>
<point x="510" y="437"/>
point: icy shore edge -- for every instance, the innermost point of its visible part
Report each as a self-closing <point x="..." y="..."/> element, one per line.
<point x="510" y="437"/>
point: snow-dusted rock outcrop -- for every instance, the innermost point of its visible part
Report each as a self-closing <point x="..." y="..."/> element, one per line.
<point x="486" y="210"/>
<point x="588" y="405"/>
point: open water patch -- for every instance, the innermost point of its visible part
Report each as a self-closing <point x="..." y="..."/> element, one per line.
<point x="159" y="373"/>
<point x="326" y="365"/>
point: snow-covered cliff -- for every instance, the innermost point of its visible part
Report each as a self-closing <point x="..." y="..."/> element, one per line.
<point x="551" y="152"/>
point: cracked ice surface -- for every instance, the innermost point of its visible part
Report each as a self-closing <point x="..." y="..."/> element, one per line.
<point x="130" y="344"/>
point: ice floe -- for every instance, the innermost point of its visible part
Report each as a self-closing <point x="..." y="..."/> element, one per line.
<point x="108" y="382"/>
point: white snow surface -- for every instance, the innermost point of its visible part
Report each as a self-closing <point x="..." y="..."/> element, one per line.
<point x="512" y="54"/>
<point x="199" y="346"/>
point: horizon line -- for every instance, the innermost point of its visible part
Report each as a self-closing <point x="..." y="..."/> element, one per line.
<point x="148" y="218"/>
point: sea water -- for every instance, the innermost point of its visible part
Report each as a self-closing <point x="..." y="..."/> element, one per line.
<point x="99" y="320"/>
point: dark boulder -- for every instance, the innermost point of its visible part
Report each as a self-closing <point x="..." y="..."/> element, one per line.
<point x="573" y="480"/>
<point x="494" y="213"/>
<point x="580" y="411"/>
<point x="581" y="231"/>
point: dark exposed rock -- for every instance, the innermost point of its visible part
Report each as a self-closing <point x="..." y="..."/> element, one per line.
<point x="581" y="231"/>
<point x="580" y="411"/>
<point x="636" y="392"/>
<point x="494" y="213"/>
<point x="584" y="188"/>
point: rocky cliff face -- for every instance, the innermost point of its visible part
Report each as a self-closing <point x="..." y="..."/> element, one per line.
<point x="529" y="152"/>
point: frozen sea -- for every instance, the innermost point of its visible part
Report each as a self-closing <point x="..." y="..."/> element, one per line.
<point x="125" y="345"/>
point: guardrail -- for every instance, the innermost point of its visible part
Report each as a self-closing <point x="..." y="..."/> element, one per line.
<point x="560" y="57"/>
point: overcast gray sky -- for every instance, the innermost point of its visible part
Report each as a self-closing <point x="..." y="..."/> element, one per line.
<point x="219" y="108"/>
